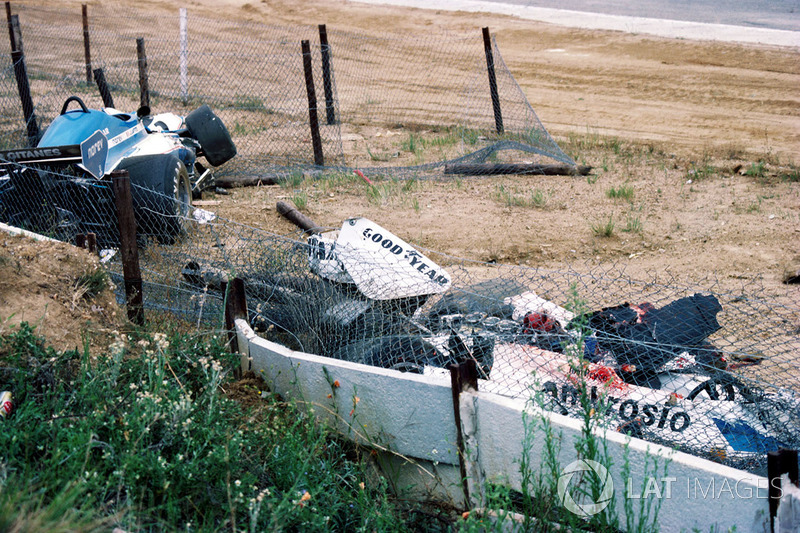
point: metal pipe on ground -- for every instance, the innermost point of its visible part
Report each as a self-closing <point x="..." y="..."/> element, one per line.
<point x="297" y="218"/>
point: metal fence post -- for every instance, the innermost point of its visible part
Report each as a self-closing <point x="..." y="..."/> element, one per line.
<point x="184" y="55"/>
<point x="487" y="47"/>
<point x="121" y="184"/>
<point x="23" y="85"/>
<point x="313" y="119"/>
<point x="102" y="86"/>
<point x="144" y="88"/>
<point x="11" y="35"/>
<point x="86" y="52"/>
<point x="327" y="84"/>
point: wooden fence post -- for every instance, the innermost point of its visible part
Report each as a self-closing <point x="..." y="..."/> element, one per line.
<point x="102" y="86"/>
<point x="487" y="47"/>
<point x="121" y="184"/>
<point x="235" y="308"/>
<point x="144" y="87"/>
<point x="86" y="52"/>
<point x="327" y="83"/>
<point x="91" y="242"/>
<point x="87" y="241"/>
<point x="313" y="120"/>
<point x="463" y="377"/>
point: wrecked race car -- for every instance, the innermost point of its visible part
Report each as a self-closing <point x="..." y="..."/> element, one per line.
<point x="370" y="297"/>
<point x="61" y="188"/>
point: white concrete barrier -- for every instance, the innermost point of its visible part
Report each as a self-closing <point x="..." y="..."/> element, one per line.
<point x="410" y="418"/>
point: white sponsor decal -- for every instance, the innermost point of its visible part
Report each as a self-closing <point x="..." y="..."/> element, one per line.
<point x="125" y="135"/>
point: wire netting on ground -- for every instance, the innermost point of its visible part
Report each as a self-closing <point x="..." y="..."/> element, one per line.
<point x="690" y="365"/>
<point x="711" y="372"/>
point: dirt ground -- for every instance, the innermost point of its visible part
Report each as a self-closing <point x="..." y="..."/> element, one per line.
<point x="60" y="290"/>
<point x="702" y="138"/>
<point x="694" y="147"/>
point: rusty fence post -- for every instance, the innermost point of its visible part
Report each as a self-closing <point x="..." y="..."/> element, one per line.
<point x="102" y="86"/>
<point x="87" y="241"/>
<point x="128" y="249"/>
<point x="487" y="47"/>
<point x="86" y="52"/>
<point x="327" y="83"/>
<point x="144" y="86"/>
<point x="313" y="119"/>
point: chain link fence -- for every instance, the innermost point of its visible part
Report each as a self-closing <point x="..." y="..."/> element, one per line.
<point x="253" y="76"/>
<point x="689" y="365"/>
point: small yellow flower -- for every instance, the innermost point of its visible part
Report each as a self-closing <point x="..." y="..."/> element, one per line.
<point x="361" y="485"/>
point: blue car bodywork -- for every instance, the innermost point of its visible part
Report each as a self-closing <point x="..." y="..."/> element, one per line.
<point x="63" y="180"/>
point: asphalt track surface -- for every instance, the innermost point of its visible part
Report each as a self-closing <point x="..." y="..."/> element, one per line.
<point x="750" y="21"/>
<point x="771" y="14"/>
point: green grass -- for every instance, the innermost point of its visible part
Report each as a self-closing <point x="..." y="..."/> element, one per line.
<point x="250" y="103"/>
<point x="293" y="180"/>
<point x="754" y="206"/>
<point x="443" y="139"/>
<point x="92" y="283"/>
<point x="633" y="225"/>
<point x="791" y="175"/>
<point x="513" y="198"/>
<point x="142" y="438"/>
<point x="756" y="170"/>
<point x="623" y="192"/>
<point x="300" y="199"/>
<point x="337" y="181"/>
<point x="240" y="130"/>
<point x="604" y="229"/>
<point x="380" y="157"/>
<point x="701" y="172"/>
<point x="379" y="193"/>
<point x="633" y="222"/>
<point x="413" y="144"/>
